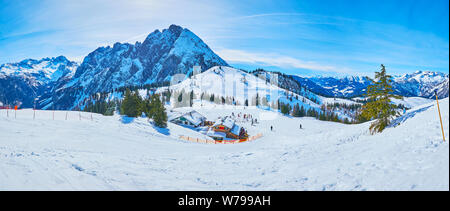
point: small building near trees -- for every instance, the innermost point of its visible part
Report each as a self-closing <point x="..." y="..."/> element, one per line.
<point x="192" y="118"/>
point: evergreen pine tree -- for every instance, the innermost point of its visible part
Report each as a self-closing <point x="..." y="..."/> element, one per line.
<point x="302" y="111"/>
<point x="191" y="98"/>
<point x="296" y="111"/>
<point x="285" y="108"/>
<point x="158" y="112"/>
<point x="131" y="105"/>
<point x="379" y="105"/>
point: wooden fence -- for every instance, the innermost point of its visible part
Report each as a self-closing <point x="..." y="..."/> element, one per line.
<point x="205" y="141"/>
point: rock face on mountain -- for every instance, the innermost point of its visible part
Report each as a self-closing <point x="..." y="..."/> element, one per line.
<point x="419" y="83"/>
<point x="335" y="87"/>
<point x="441" y="90"/>
<point x="162" y="54"/>
<point x="21" y="83"/>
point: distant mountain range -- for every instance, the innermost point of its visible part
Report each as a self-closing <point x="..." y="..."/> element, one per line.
<point x="24" y="81"/>
<point x="161" y="55"/>
<point x="57" y="83"/>
<point x="417" y="84"/>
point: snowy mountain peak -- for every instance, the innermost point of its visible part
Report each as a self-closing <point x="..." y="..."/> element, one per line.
<point x="43" y="69"/>
<point x="162" y="54"/>
<point x="24" y="81"/>
<point x="175" y="29"/>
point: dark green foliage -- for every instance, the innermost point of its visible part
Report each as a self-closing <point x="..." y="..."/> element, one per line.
<point x="191" y="98"/>
<point x="379" y="105"/>
<point x="180" y="97"/>
<point x="257" y="99"/>
<point x="285" y="108"/>
<point x="296" y="111"/>
<point x="101" y="107"/>
<point x="154" y="109"/>
<point x="131" y="104"/>
<point x="158" y="112"/>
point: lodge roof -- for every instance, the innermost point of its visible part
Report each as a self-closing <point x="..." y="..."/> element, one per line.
<point x="192" y="116"/>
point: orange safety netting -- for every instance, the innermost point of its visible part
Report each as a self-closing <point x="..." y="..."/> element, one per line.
<point x="205" y="141"/>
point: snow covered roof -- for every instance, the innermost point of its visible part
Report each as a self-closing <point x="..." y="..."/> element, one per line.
<point x="213" y="133"/>
<point x="227" y="122"/>
<point x="193" y="117"/>
<point x="173" y="115"/>
<point x="236" y="129"/>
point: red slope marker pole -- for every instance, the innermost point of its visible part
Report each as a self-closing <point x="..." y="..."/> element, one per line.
<point x="440" y="118"/>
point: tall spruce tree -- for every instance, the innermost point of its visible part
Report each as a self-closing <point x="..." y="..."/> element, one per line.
<point x="296" y="111"/>
<point x="379" y="104"/>
<point x="131" y="104"/>
<point x="191" y="98"/>
<point x="158" y="112"/>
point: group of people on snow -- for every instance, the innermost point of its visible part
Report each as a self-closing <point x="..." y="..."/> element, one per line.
<point x="244" y="117"/>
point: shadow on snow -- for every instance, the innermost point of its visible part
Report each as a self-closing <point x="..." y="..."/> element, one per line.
<point x="164" y="131"/>
<point x="407" y="116"/>
<point x="126" y="119"/>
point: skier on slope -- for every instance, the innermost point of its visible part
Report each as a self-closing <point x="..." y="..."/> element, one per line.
<point x="271" y="128"/>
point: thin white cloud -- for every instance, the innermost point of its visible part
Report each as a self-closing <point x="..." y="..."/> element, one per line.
<point x="240" y="56"/>
<point x="305" y="17"/>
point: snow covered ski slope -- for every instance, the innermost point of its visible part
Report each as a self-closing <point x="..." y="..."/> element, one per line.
<point x="117" y="153"/>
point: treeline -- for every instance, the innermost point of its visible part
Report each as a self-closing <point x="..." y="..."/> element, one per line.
<point x="300" y="111"/>
<point x="349" y="107"/>
<point x="101" y="107"/>
<point x="98" y="103"/>
<point x="288" y="82"/>
<point x="144" y="86"/>
<point x="186" y="99"/>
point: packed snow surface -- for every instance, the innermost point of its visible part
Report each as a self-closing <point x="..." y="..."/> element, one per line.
<point x="120" y="153"/>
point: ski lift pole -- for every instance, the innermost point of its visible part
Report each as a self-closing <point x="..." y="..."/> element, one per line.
<point x="440" y="118"/>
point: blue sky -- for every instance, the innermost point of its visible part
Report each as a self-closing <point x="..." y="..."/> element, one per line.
<point x="323" y="37"/>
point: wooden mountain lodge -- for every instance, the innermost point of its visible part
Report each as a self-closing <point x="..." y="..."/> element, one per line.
<point x="229" y="129"/>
